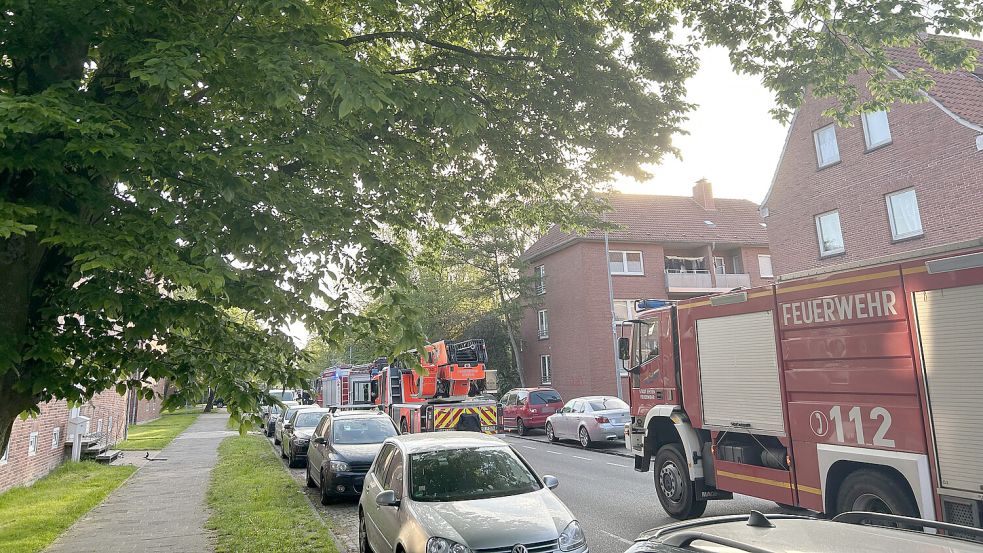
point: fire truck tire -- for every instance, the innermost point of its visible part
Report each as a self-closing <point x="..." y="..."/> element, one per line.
<point x="874" y="490"/>
<point x="520" y="427"/>
<point x="676" y="491"/>
<point x="403" y="427"/>
<point x="550" y="435"/>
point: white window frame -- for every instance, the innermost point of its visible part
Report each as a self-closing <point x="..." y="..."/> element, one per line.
<point x="543" y="324"/>
<point x="6" y="454"/>
<point x="32" y="444"/>
<point x="771" y="272"/>
<point x="540" y="280"/>
<point x="720" y="269"/>
<point x="737" y="264"/>
<point x="545" y="369"/>
<point x="819" y="155"/>
<point x="55" y="437"/>
<point x="888" y="140"/>
<point x="823" y="252"/>
<point x="624" y="262"/>
<point x="629" y="305"/>
<point x="890" y="215"/>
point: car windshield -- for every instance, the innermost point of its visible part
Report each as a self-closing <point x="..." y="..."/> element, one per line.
<point x="603" y="403"/>
<point x="289" y="413"/>
<point x="361" y="430"/>
<point x="472" y="473"/>
<point x="283" y="395"/>
<point x="307" y="419"/>
<point x="544" y="397"/>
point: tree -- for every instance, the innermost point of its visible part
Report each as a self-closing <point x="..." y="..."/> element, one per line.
<point x="272" y="155"/>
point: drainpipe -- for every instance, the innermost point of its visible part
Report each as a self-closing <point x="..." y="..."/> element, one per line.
<point x="614" y="324"/>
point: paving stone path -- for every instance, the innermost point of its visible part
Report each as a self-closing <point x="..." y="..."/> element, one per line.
<point x="162" y="506"/>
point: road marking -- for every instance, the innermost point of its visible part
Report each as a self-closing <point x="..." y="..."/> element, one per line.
<point x="615" y="536"/>
<point x="617" y="465"/>
<point x="528" y="447"/>
<point x="584" y="458"/>
<point x="554" y="452"/>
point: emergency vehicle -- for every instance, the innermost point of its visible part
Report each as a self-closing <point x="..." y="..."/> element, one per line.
<point x="859" y="389"/>
<point x="347" y="385"/>
<point x="449" y="395"/>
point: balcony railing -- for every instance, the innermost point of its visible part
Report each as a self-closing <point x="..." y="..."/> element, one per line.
<point x="739" y="280"/>
<point x="701" y="280"/>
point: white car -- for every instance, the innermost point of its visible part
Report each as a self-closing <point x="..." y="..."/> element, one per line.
<point x="588" y="420"/>
<point x="460" y="492"/>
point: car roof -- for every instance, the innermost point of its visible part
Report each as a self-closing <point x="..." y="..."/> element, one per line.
<point x="360" y="413"/>
<point x="791" y="533"/>
<point x="536" y="389"/>
<point x="438" y="441"/>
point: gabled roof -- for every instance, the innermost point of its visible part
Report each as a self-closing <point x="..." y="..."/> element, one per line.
<point x="666" y="219"/>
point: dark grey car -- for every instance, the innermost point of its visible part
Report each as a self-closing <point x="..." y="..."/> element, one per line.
<point x="342" y="448"/>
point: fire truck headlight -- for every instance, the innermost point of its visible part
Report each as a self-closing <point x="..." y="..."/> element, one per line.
<point x="572" y="537"/>
<point x="339" y="466"/>
<point x="441" y="545"/>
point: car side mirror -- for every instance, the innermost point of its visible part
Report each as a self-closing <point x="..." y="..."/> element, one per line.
<point x="624" y="349"/>
<point x="319" y="440"/>
<point x="387" y="499"/>
<point x="551" y="481"/>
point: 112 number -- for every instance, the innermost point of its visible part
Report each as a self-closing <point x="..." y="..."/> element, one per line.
<point x="854" y="416"/>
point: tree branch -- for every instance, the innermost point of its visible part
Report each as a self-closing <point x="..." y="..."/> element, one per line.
<point x="372" y="37"/>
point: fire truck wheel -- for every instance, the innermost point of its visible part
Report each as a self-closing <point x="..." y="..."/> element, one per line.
<point x="520" y="427"/>
<point x="873" y="490"/>
<point x="676" y="491"/>
<point x="403" y="427"/>
<point x="549" y="432"/>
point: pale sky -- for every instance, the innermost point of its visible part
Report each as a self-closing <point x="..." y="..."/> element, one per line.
<point x="733" y="142"/>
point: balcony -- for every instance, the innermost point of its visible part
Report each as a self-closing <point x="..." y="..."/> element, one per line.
<point x="702" y="282"/>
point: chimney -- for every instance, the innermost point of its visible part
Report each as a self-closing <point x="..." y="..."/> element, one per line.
<point x="703" y="194"/>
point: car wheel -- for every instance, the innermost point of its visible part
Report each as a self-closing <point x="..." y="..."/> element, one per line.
<point x="326" y="498"/>
<point x="874" y="491"/>
<point x="584" y="438"/>
<point x="549" y="432"/>
<point x="283" y="454"/>
<point x="291" y="459"/>
<point x="276" y="441"/>
<point x="310" y="481"/>
<point x="676" y="491"/>
<point x="363" y="536"/>
<point x="520" y="427"/>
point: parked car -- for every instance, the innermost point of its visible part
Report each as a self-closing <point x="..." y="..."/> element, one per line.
<point x="269" y="415"/>
<point x="589" y="419"/>
<point x="527" y="408"/>
<point x="297" y="431"/>
<point x="781" y="533"/>
<point x="457" y="492"/>
<point x="342" y="449"/>
<point x="290" y="408"/>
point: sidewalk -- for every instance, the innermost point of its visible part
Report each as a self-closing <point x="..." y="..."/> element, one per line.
<point x="161" y="507"/>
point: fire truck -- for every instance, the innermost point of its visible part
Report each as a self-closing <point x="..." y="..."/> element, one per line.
<point x="448" y="395"/>
<point x="347" y="385"/>
<point x="854" y="389"/>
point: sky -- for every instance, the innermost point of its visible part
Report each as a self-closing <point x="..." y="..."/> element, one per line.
<point x="733" y="141"/>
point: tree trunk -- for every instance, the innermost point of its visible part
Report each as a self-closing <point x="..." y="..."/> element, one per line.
<point x="211" y="400"/>
<point x="515" y="350"/>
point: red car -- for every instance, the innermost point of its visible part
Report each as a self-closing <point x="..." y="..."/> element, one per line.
<point x="526" y="408"/>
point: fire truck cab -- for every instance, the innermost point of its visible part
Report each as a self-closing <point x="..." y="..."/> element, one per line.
<point x="856" y="389"/>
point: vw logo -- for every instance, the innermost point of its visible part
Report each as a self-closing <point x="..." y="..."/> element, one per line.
<point x="519" y="548"/>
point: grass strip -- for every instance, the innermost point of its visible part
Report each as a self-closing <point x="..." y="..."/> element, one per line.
<point x="257" y="507"/>
<point x="32" y="517"/>
<point x="156" y="434"/>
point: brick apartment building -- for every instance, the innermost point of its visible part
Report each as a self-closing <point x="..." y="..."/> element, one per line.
<point x="901" y="180"/>
<point x="666" y="247"/>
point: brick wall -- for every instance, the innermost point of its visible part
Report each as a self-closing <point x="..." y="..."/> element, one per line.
<point x="144" y="410"/>
<point x="929" y="151"/>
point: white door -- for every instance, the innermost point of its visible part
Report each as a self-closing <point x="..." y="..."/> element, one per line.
<point x="950" y="328"/>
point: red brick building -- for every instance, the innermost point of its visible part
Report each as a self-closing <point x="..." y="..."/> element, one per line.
<point x="901" y="180"/>
<point x="666" y="247"/>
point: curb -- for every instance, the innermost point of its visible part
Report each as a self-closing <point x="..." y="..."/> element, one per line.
<point x="616" y="452"/>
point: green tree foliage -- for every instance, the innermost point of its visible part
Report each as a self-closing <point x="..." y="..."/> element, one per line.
<point x="273" y="155"/>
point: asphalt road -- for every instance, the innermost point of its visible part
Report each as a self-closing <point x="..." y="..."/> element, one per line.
<point x="612" y="502"/>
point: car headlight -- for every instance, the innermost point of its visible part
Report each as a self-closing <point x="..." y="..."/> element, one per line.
<point x="441" y="545"/>
<point x="339" y="466"/>
<point x="572" y="537"/>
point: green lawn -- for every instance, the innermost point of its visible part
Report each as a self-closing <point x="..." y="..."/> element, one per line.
<point x="32" y="517"/>
<point x="157" y="434"/>
<point x="258" y="507"/>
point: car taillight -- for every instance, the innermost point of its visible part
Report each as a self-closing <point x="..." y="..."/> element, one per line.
<point x="602" y="420"/>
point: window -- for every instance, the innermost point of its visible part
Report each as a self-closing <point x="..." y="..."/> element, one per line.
<point x="540" y="280"/>
<point x="545" y="370"/>
<point x="394" y="475"/>
<point x="544" y="397"/>
<point x="764" y="266"/>
<point x="877" y="132"/>
<point x="55" y="437"/>
<point x="902" y="211"/>
<point x="624" y="310"/>
<point x="718" y="266"/>
<point x="544" y="325"/>
<point x="462" y="474"/>
<point x="827" y="152"/>
<point x="736" y="264"/>
<point x="32" y="444"/>
<point x="829" y="233"/>
<point x="625" y="263"/>
<point x="99" y="426"/>
<point x="381" y="461"/>
<point x="6" y="456"/>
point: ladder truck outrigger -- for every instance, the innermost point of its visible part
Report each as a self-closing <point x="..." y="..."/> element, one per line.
<point x="853" y="389"/>
<point x="448" y="395"/>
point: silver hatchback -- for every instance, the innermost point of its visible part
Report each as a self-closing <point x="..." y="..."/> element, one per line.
<point x="589" y="419"/>
<point x="461" y="492"/>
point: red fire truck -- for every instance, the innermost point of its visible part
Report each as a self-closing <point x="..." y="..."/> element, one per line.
<point x="448" y="396"/>
<point x="856" y="389"/>
<point x="347" y="385"/>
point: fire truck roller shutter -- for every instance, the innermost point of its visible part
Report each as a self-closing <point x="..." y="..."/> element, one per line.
<point x="950" y="330"/>
<point x="739" y="376"/>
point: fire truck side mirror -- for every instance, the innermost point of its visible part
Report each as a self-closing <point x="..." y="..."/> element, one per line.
<point x="624" y="349"/>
